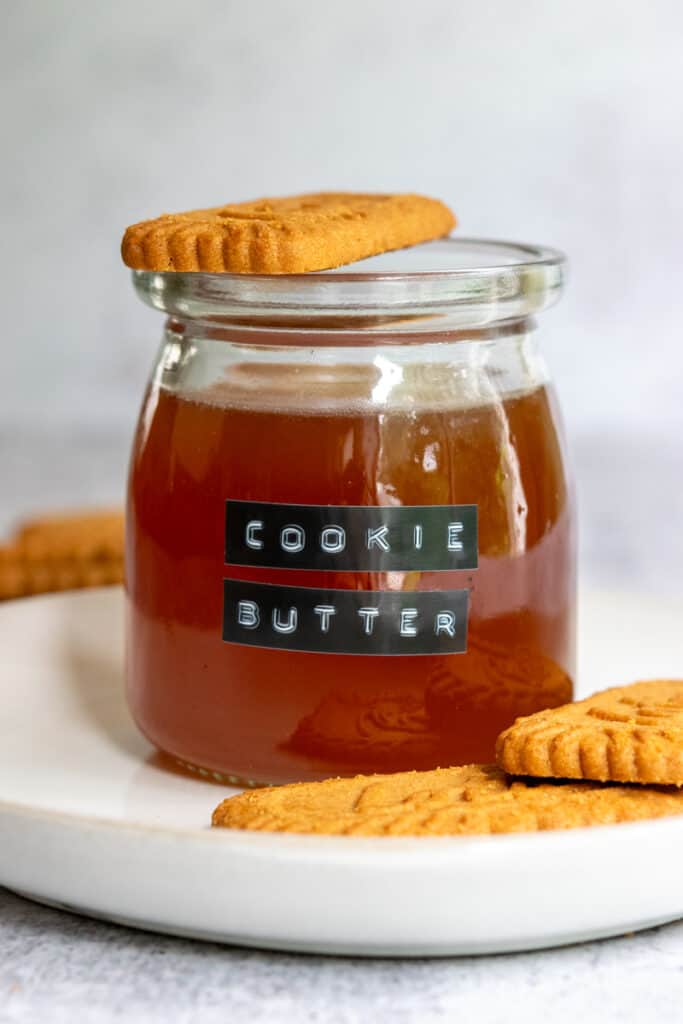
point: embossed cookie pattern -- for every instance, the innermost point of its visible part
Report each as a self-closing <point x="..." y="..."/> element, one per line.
<point x="365" y="730"/>
<point x="290" y="235"/>
<point x="511" y="681"/>
<point x="626" y="734"/>
<point x="475" y="799"/>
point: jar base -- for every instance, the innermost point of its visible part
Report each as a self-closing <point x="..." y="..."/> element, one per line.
<point x="211" y="775"/>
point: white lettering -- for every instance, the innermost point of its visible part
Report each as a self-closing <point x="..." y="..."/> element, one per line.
<point x="253" y="542"/>
<point x="417" y="537"/>
<point x="445" y="623"/>
<point x="408" y="616"/>
<point x="377" y="538"/>
<point x="292" y="538"/>
<point x="368" y="615"/>
<point x="333" y="539"/>
<point x="325" y="611"/>
<point x="248" y="614"/>
<point x="454" y="544"/>
<point x="289" y="626"/>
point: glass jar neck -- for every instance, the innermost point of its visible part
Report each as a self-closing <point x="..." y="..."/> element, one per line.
<point x="341" y="336"/>
<point x="254" y="369"/>
<point x="450" y="285"/>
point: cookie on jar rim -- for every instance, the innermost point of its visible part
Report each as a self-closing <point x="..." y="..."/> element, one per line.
<point x="285" y="235"/>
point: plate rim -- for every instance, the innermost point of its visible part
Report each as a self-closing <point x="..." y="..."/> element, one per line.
<point x="290" y="843"/>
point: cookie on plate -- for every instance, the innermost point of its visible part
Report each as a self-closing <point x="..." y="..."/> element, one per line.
<point x="290" y="235"/>
<point x="475" y="799"/>
<point x="63" y="552"/>
<point x="625" y="734"/>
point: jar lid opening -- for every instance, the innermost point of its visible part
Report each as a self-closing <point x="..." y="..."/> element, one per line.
<point x="452" y="282"/>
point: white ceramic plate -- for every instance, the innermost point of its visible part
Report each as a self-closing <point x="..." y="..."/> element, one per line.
<point x="90" y="822"/>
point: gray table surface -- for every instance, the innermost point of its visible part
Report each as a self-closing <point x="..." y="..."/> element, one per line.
<point x="55" y="967"/>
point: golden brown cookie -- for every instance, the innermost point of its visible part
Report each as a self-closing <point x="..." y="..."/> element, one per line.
<point x="63" y="552"/>
<point x="472" y="800"/>
<point x="290" y="235"/>
<point x="626" y="734"/>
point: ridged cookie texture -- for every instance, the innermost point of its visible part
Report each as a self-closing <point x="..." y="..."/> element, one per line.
<point x="291" y="235"/>
<point x="472" y="800"/>
<point x="625" y="734"/>
<point x="63" y="552"/>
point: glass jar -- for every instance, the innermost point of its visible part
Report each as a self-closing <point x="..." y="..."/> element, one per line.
<point x="350" y="530"/>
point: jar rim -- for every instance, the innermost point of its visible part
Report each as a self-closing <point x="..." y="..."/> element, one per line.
<point x="452" y="282"/>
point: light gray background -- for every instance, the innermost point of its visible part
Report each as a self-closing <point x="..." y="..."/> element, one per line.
<point x="538" y="121"/>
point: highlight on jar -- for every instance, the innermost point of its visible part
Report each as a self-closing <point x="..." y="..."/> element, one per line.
<point x="350" y="522"/>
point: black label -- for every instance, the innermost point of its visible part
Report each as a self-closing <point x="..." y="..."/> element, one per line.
<point x="345" y="621"/>
<point x="351" y="538"/>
